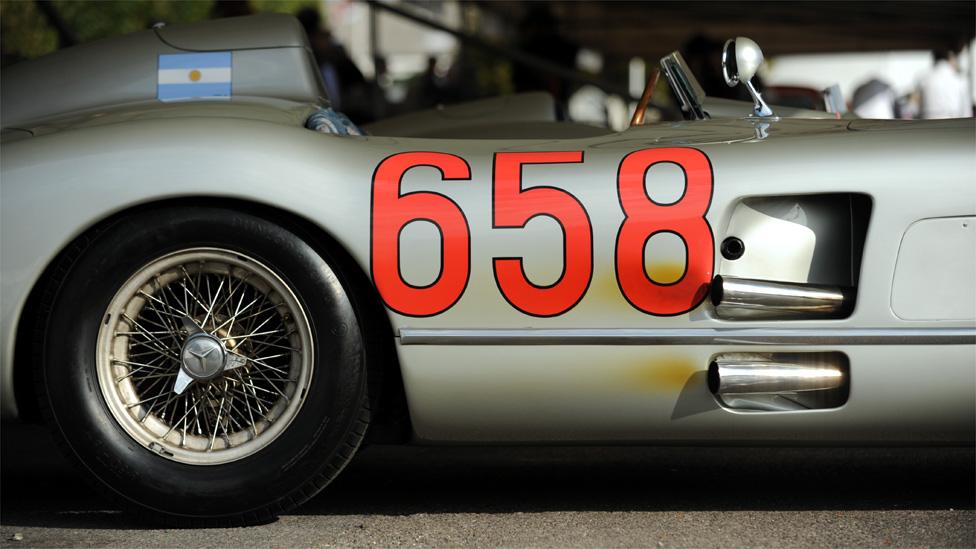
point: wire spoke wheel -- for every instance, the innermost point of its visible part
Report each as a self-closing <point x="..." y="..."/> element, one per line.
<point x="203" y="384"/>
<point x="235" y="300"/>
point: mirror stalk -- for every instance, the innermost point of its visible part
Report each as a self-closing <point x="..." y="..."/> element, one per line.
<point x="760" y="108"/>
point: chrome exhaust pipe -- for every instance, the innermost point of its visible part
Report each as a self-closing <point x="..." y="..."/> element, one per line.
<point x="750" y="299"/>
<point x="758" y="375"/>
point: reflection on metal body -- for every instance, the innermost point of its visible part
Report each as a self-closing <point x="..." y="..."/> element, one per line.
<point x="743" y="298"/>
<point x="762" y="130"/>
<point x="739" y="375"/>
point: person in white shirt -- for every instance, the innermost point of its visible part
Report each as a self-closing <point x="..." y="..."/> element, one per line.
<point x="944" y="91"/>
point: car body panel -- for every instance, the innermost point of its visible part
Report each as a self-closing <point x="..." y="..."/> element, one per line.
<point x="58" y="184"/>
<point x="947" y="242"/>
<point x="814" y="198"/>
<point x="270" y="110"/>
<point x="638" y="394"/>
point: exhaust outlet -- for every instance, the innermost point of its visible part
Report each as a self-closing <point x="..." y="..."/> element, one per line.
<point x="743" y="376"/>
<point x="749" y="299"/>
<point x="779" y="381"/>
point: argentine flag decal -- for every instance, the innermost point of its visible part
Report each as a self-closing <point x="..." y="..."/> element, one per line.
<point x="189" y="76"/>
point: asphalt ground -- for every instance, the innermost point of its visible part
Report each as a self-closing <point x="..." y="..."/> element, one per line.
<point x="545" y="497"/>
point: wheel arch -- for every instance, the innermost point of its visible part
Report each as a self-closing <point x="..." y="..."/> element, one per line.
<point x="390" y="421"/>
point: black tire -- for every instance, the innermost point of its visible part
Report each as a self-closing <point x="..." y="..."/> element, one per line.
<point x="314" y="447"/>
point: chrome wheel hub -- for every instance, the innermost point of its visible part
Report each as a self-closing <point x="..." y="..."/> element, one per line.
<point x="203" y="357"/>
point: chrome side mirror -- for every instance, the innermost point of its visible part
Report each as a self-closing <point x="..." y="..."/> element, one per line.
<point x="741" y="58"/>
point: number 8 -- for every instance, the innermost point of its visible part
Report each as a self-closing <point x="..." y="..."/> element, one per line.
<point x="644" y="218"/>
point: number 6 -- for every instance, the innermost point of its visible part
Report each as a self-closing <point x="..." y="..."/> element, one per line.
<point x="392" y="211"/>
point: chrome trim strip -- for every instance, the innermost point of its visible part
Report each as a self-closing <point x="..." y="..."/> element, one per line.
<point x="691" y="336"/>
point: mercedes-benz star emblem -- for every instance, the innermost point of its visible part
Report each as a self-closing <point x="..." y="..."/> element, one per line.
<point x="199" y="357"/>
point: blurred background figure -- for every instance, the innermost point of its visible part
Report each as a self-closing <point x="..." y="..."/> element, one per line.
<point x="344" y="82"/>
<point x="424" y="89"/>
<point x="588" y="103"/>
<point x="874" y="99"/>
<point x="944" y="92"/>
<point x="321" y="44"/>
<point x="538" y="34"/>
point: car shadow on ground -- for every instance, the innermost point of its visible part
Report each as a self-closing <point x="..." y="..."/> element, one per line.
<point x="39" y="488"/>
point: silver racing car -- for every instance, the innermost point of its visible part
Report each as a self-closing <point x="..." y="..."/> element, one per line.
<point x="215" y="287"/>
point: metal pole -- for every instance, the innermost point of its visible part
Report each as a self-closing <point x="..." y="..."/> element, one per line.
<point x="374" y="55"/>
<point x="515" y="55"/>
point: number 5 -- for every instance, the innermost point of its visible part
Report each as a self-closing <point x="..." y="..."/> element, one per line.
<point x="514" y="207"/>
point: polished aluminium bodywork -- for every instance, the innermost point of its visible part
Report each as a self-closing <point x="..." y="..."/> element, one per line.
<point x="483" y="371"/>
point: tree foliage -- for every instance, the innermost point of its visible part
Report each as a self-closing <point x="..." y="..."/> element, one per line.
<point x="26" y="33"/>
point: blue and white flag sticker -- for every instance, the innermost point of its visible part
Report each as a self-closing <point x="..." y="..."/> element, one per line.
<point x="193" y="76"/>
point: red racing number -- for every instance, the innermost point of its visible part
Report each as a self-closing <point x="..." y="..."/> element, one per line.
<point x="392" y="211"/>
<point x="644" y="218"/>
<point x="513" y="207"/>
